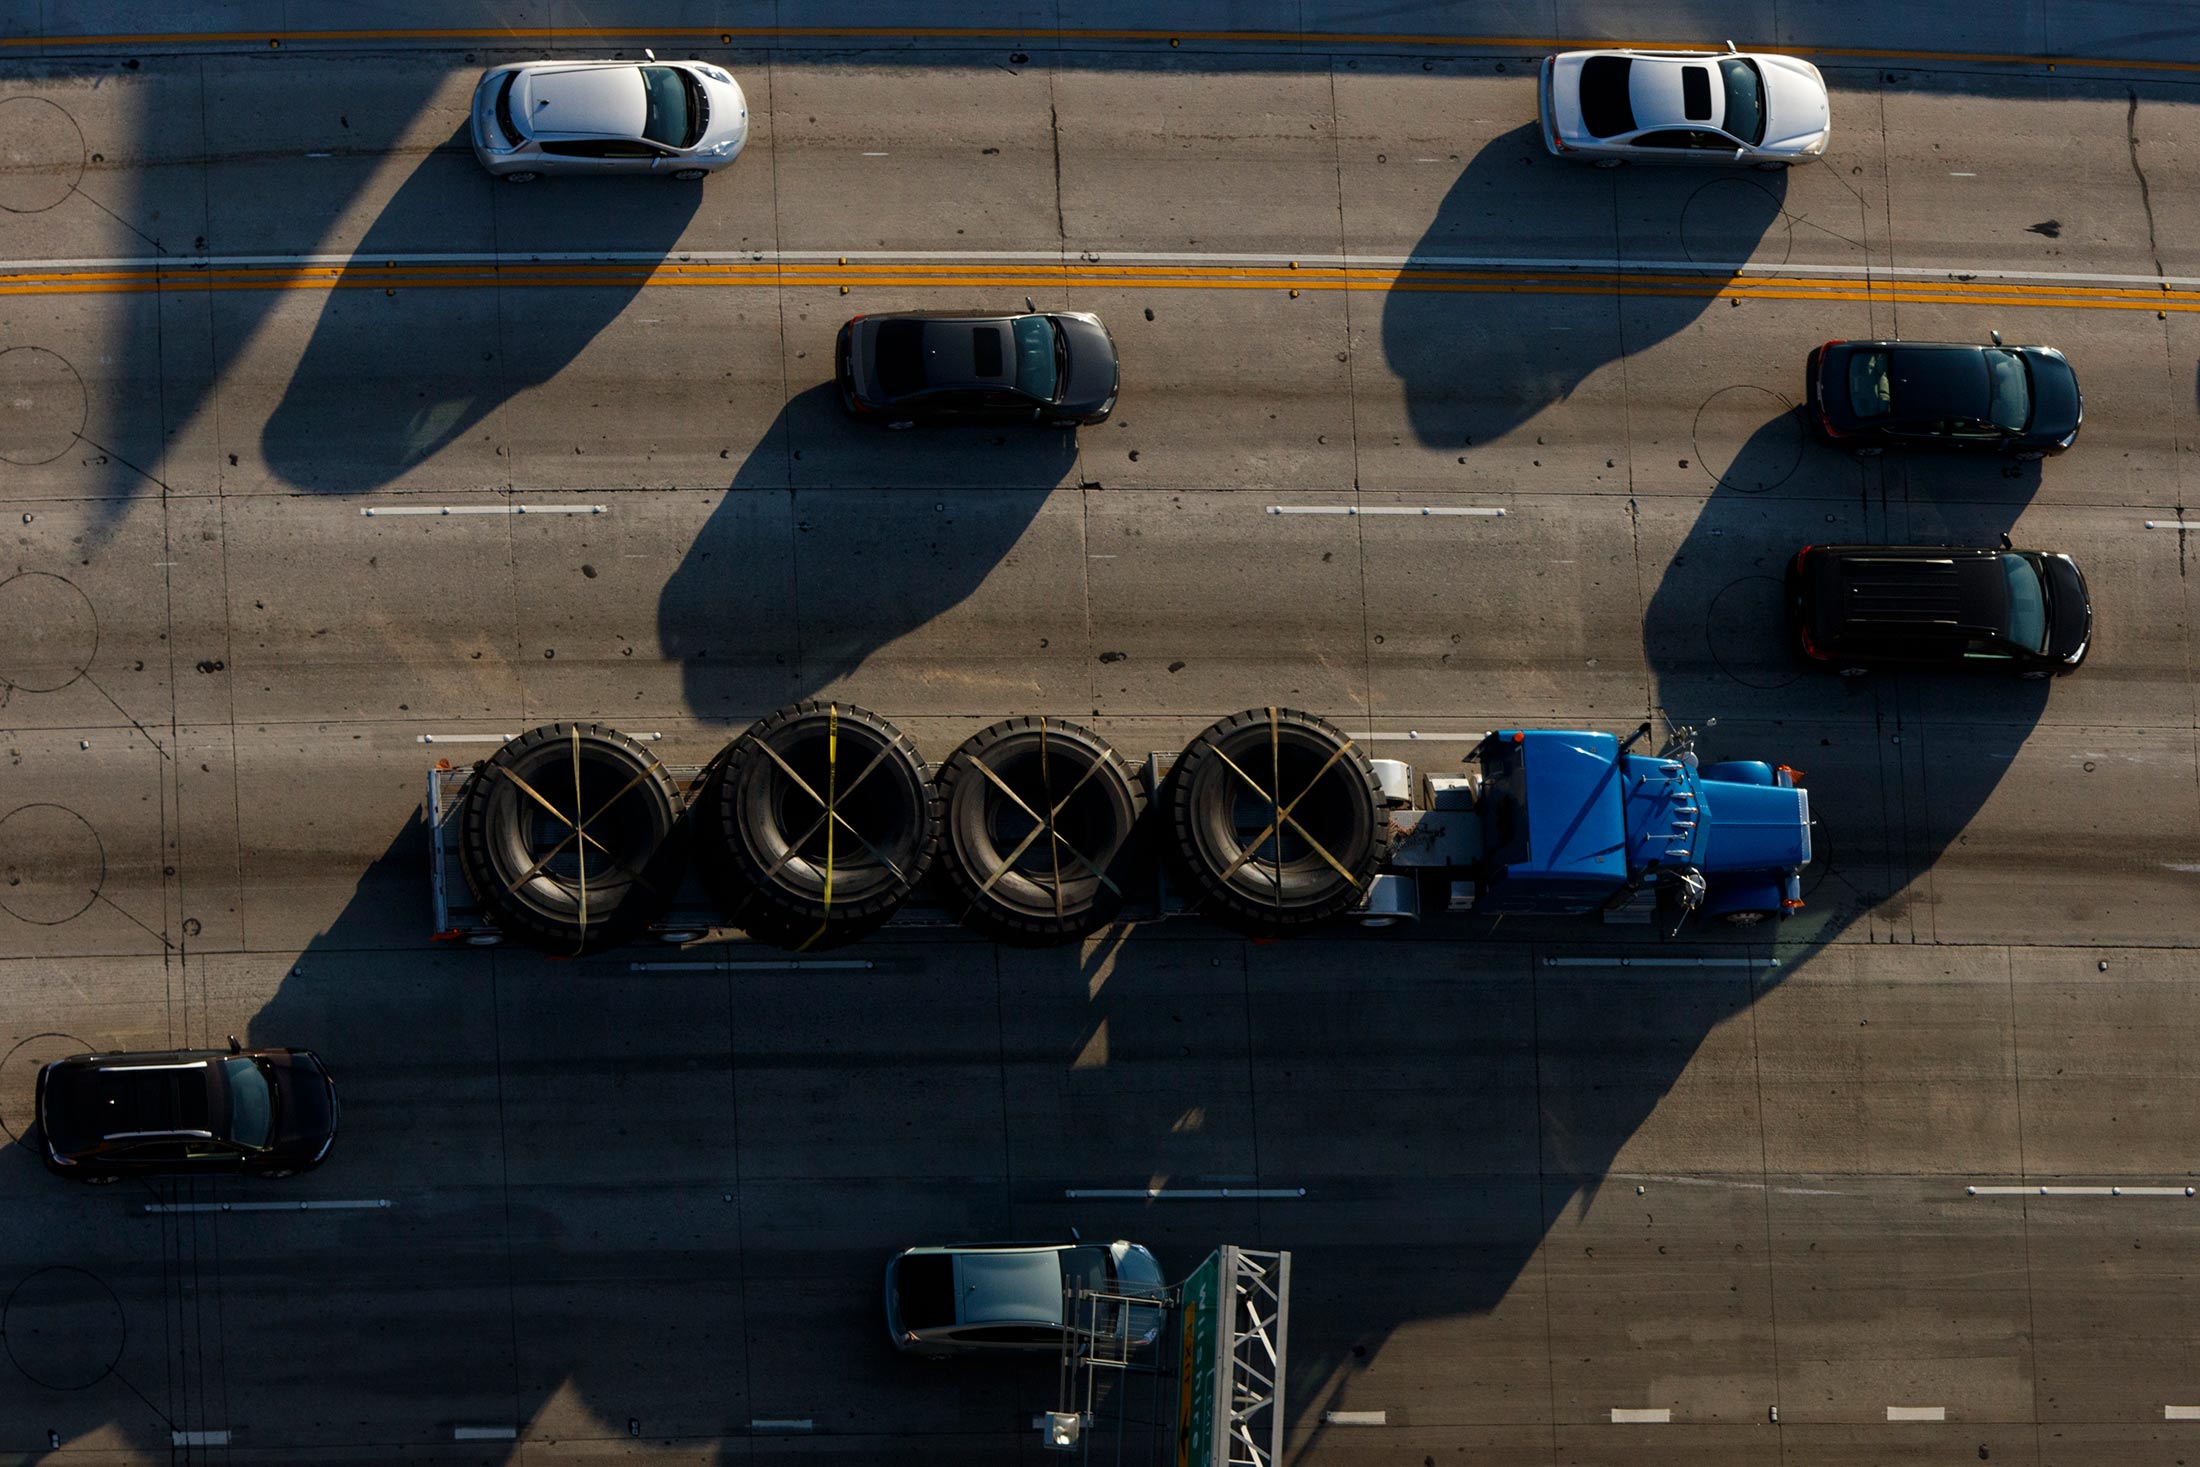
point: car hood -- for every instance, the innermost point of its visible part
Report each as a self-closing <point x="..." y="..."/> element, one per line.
<point x="2072" y="635"/>
<point x="309" y="1098"/>
<point x="1094" y="373"/>
<point x="729" y="115"/>
<point x="1795" y="101"/>
<point x="2056" y="407"/>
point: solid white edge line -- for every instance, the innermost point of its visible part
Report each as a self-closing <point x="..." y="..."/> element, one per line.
<point x="440" y="510"/>
<point x="1951" y="275"/>
<point x="364" y="1204"/>
<point x="1622" y="962"/>
<point x="1415" y="735"/>
<point x="646" y="738"/>
<point x="198" y="1438"/>
<point x="2173" y="524"/>
<point x="1641" y="1415"/>
<point x="484" y="1433"/>
<point x="1917" y="1413"/>
<point x="1357" y="1418"/>
<point x="1181" y="1194"/>
<point x="1392" y="509"/>
<point x="2181" y="1413"/>
<point x="776" y="1423"/>
<point x="791" y="965"/>
<point x="2051" y="1191"/>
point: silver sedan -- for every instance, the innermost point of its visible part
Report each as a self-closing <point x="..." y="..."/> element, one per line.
<point x="681" y="119"/>
<point x="1611" y="107"/>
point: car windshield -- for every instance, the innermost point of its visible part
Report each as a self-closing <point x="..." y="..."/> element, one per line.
<point x="251" y="1102"/>
<point x="664" y="88"/>
<point x="1040" y="355"/>
<point x="2012" y="404"/>
<point x="1745" y="99"/>
<point x="1871" y="394"/>
<point x="2027" y="603"/>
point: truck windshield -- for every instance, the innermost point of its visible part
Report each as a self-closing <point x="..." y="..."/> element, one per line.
<point x="2027" y="603"/>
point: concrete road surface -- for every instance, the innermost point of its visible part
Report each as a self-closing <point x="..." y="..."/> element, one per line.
<point x="263" y="321"/>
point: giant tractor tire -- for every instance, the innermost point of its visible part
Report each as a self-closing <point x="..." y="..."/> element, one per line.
<point x="816" y="824"/>
<point x="569" y="837"/>
<point x="1039" y="819"/>
<point x="1277" y="820"/>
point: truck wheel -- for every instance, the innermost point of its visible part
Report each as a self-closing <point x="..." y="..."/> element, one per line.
<point x="816" y="824"/>
<point x="1277" y="820"/>
<point x="1038" y="821"/>
<point x="568" y="837"/>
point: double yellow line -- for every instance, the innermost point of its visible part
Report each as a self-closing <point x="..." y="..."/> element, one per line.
<point x="1083" y="277"/>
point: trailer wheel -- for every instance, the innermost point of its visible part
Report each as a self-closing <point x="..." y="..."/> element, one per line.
<point x="568" y="837"/>
<point x="1038" y="824"/>
<point x="1277" y="819"/>
<point x="816" y="824"/>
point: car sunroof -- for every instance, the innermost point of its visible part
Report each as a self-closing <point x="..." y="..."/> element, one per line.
<point x="1696" y="93"/>
<point x="985" y="350"/>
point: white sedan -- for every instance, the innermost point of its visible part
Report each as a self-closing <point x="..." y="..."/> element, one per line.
<point x="1607" y="107"/>
<point x="680" y="119"/>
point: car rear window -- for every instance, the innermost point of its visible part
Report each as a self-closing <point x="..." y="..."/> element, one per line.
<point x="1606" y="108"/>
<point x="1871" y="393"/>
<point x="899" y="357"/>
<point x="505" y="124"/>
<point x="924" y="1290"/>
<point x="1696" y="93"/>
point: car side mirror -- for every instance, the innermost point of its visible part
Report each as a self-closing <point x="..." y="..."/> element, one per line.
<point x="652" y="55"/>
<point x="1997" y="337"/>
<point x="1732" y="50"/>
<point x="1029" y="306"/>
<point x="234" y="1046"/>
<point x="2005" y="541"/>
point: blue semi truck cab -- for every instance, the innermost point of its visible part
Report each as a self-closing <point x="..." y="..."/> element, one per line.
<point x="1563" y="821"/>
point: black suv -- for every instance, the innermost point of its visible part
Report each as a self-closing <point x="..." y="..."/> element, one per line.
<point x="1857" y="607"/>
<point x="1871" y="395"/>
<point x="197" y="1112"/>
<point x="922" y="367"/>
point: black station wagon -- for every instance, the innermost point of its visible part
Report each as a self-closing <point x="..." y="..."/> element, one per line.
<point x="254" y="1112"/>
<point x="1857" y="607"/>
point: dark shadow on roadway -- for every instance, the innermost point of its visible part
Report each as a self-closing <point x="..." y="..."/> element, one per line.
<point x="874" y="559"/>
<point x="389" y="379"/>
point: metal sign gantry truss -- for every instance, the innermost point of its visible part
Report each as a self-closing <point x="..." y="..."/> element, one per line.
<point x="1215" y="1343"/>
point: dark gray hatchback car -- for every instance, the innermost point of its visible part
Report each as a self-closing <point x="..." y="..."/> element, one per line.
<point x="920" y="366"/>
